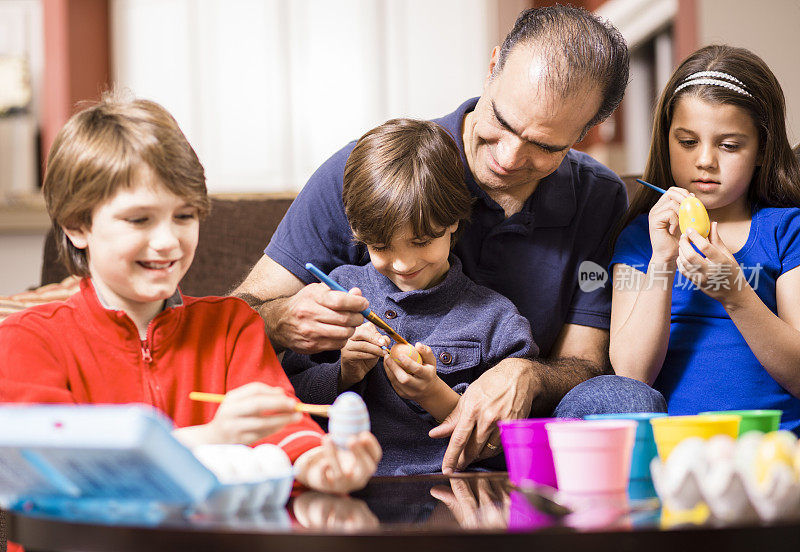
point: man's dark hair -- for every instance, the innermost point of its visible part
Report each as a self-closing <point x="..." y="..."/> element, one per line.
<point x="579" y="47"/>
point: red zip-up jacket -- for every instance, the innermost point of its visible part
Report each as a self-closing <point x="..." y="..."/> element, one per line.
<point x="77" y="351"/>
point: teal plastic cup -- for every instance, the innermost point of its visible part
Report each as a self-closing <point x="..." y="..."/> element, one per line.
<point x="759" y="420"/>
<point x="644" y="446"/>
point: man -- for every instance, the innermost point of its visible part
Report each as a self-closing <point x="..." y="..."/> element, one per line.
<point x="541" y="209"/>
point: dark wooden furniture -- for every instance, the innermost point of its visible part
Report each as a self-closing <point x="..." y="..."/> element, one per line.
<point x="405" y="514"/>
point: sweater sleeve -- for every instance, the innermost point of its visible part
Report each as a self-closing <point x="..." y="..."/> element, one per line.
<point x="253" y="359"/>
<point x="31" y="370"/>
<point x="511" y="338"/>
<point x="316" y="381"/>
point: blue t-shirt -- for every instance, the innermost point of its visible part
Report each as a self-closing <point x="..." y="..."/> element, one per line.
<point x="709" y="365"/>
<point x="532" y="257"/>
<point x="469" y="328"/>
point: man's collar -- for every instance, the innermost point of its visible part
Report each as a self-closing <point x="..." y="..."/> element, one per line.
<point x="554" y="202"/>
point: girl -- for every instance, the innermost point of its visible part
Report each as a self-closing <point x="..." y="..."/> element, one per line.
<point x="724" y="331"/>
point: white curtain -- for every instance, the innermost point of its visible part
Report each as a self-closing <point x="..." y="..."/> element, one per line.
<point x="266" y="90"/>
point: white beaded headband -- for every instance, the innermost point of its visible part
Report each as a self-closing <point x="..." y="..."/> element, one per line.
<point x="714" y="78"/>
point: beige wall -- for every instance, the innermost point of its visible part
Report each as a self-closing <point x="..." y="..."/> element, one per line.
<point x="771" y="29"/>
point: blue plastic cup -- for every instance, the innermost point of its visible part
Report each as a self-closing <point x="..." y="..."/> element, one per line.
<point x="644" y="447"/>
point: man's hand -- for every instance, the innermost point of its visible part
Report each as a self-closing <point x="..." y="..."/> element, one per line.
<point x="514" y="387"/>
<point x="318" y="319"/>
<point x="306" y="319"/>
<point x="503" y="392"/>
<point x="481" y="504"/>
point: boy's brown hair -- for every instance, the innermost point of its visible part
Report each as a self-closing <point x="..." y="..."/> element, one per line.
<point x="404" y="172"/>
<point x="105" y="148"/>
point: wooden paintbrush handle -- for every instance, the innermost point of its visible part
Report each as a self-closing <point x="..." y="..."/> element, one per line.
<point x="378" y="321"/>
<point x="315" y="409"/>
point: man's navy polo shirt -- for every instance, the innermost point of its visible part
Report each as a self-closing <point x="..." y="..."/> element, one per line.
<point x="532" y="257"/>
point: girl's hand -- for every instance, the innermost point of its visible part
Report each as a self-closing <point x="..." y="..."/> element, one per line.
<point x="664" y="227"/>
<point x="718" y="275"/>
<point x="360" y="354"/>
<point x="410" y="379"/>
<point x="331" y="470"/>
<point x="249" y="413"/>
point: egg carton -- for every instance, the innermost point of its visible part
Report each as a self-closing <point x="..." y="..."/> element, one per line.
<point x="250" y="479"/>
<point x="721" y="473"/>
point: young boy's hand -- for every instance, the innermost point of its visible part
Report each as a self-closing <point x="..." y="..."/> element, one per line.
<point x="420" y="382"/>
<point x="411" y="379"/>
<point x="251" y="412"/>
<point x="360" y="354"/>
<point x="331" y="470"/>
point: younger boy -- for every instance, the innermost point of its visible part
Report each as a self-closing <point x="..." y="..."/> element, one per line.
<point x="404" y="196"/>
<point x="125" y="192"/>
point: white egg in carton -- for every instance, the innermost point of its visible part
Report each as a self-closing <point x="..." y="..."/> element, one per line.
<point x="251" y="478"/>
<point x="722" y="473"/>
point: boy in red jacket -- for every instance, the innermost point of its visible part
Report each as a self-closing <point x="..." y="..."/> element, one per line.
<point x="125" y="192"/>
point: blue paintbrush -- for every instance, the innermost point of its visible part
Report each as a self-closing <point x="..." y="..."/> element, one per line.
<point x="651" y="186"/>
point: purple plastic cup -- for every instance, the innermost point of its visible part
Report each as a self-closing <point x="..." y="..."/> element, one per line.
<point x="527" y="450"/>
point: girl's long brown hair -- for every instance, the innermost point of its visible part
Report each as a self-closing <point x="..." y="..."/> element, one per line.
<point x="776" y="183"/>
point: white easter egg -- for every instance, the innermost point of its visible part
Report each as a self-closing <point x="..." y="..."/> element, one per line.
<point x="272" y="461"/>
<point x="746" y="449"/>
<point x="221" y="460"/>
<point x="720" y="448"/>
<point x="347" y="416"/>
<point x="688" y="456"/>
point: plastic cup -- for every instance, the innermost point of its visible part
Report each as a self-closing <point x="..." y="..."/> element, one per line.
<point x="671" y="430"/>
<point x="644" y="446"/>
<point x="527" y="450"/>
<point x="759" y="420"/>
<point x="592" y="456"/>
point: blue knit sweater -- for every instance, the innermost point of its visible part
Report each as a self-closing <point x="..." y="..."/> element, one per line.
<point x="470" y="329"/>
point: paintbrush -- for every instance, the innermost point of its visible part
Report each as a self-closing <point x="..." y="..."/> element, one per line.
<point x="651" y="186"/>
<point x="315" y="409"/>
<point x="368" y="314"/>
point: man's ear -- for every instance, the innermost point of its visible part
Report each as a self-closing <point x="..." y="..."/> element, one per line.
<point x="492" y="64"/>
<point x="78" y="236"/>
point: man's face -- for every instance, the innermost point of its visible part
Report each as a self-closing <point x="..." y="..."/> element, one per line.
<point x="520" y="131"/>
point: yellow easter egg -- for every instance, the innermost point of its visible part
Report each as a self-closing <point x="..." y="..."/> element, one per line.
<point x="775" y="448"/>
<point x="692" y="214"/>
<point x="797" y="459"/>
<point x="400" y="349"/>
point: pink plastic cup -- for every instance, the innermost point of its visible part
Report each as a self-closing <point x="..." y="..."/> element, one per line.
<point x="592" y="456"/>
<point x="527" y="450"/>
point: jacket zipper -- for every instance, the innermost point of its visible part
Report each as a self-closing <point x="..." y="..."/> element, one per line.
<point x="146" y="356"/>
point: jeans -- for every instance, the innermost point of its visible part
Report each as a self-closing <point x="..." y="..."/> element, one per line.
<point x="609" y="395"/>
